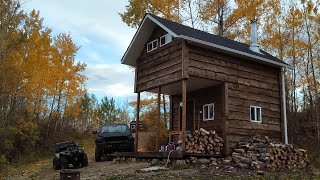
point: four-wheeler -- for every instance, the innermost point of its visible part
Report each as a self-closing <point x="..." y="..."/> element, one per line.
<point x="67" y="153"/>
<point x="113" y="138"/>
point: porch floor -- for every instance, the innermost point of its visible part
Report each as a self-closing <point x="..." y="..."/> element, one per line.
<point x="163" y="155"/>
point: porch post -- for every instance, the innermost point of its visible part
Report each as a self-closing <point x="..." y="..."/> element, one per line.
<point x="184" y="113"/>
<point x="158" y="121"/>
<point x="137" y="123"/>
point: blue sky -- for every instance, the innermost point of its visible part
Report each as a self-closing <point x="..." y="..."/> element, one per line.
<point x="95" y="26"/>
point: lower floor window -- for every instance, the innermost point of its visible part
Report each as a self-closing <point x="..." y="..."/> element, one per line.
<point x="208" y="112"/>
<point x="255" y="114"/>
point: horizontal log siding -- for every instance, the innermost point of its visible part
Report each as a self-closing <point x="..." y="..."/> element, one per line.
<point x="249" y="83"/>
<point x="160" y="66"/>
<point x="201" y="97"/>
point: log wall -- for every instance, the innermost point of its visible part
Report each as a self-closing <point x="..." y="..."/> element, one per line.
<point x="249" y="83"/>
<point x="160" y="66"/>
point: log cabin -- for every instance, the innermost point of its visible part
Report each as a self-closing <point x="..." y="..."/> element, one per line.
<point x="213" y="82"/>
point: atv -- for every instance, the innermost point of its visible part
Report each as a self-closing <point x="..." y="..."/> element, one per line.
<point x="67" y="153"/>
<point x="113" y="138"/>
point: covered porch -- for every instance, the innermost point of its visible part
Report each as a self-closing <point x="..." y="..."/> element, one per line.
<point x="187" y="97"/>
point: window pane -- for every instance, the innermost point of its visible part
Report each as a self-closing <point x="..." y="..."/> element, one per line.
<point x="253" y="114"/>
<point x="149" y="46"/>
<point x="162" y="40"/>
<point x="258" y="114"/>
<point x="155" y="44"/>
<point x="205" y="112"/>
<point x="211" y="111"/>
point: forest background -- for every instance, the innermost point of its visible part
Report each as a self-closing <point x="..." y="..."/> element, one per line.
<point x="43" y="98"/>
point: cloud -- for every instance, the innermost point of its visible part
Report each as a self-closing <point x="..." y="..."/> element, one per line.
<point x="94" y="19"/>
<point x="110" y="79"/>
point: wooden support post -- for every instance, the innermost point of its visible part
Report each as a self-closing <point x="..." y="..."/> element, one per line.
<point x="137" y="123"/>
<point x="171" y="118"/>
<point x="158" y="121"/>
<point x="184" y="113"/>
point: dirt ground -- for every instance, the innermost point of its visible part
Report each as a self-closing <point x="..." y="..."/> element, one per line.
<point x="95" y="170"/>
<point x="110" y="170"/>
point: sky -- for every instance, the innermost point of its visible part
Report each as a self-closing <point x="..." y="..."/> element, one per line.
<point x="96" y="26"/>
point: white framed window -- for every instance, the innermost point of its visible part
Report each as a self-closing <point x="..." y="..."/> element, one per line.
<point x="255" y="114"/>
<point x="165" y="39"/>
<point x="208" y="112"/>
<point x="152" y="45"/>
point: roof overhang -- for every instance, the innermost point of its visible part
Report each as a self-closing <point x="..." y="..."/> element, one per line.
<point x="140" y="39"/>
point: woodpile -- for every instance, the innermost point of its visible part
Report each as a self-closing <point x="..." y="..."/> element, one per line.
<point x="260" y="152"/>
<point x="204" y="142"/>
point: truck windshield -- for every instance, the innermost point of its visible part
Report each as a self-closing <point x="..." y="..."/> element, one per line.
<point x="114" y="128"/>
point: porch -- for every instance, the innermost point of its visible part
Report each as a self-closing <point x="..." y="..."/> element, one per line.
<point x="187" y="100"/>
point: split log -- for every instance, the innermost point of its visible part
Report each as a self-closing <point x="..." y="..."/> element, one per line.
<point x="204" y="142"/>
<point x="259" y="152"/>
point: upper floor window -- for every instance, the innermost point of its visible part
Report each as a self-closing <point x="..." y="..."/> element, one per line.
<point x="208" y="112"/>
<point x="152" y="45"/>
<point x="165" y="39"/>
<point x="255" y="114"/>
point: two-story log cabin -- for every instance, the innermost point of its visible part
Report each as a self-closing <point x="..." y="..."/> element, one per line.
<point x="213" y="82"/>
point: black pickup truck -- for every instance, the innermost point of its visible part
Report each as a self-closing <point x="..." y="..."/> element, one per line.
<point x="113" y="138"/>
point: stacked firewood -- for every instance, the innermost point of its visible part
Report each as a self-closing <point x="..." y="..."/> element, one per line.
<point x="260" y="152"/>
<point x="204" y="142"/>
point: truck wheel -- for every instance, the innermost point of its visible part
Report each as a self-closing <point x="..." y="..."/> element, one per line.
<point x="98" y="154"/>
<point x="64" y="163"/>
<point x="56" y="164"/>
<point x="84" y="161"/>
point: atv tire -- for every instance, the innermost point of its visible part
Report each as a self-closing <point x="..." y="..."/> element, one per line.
<point x="84" y="161"/>
<point x="64" y="163"/>
<point x="98" y="154"/>
<point x="56" y="164"/>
